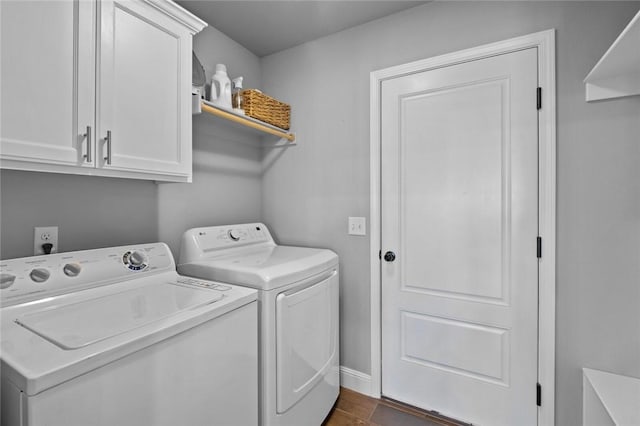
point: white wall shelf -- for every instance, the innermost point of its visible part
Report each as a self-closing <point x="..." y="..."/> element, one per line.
<point x="610" y="399"/>
<point x="617" y="73"/>
<point x="249" y="123"/>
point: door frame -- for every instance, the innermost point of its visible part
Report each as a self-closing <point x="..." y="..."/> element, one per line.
<point x="544" y="41"/>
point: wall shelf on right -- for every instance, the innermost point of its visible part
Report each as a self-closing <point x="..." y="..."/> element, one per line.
<point x="617" y="73"/>
<point x="609" y="399"/>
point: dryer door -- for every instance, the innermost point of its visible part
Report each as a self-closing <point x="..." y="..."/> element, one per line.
<point x="307" y="338"/>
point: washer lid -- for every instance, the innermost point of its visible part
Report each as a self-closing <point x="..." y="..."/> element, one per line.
<point x="79" y="324"/>
<point x="263" y="268"/>
<point x="112" y="322"/>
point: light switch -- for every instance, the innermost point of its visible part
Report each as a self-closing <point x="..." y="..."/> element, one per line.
<point x="357" y="226"/>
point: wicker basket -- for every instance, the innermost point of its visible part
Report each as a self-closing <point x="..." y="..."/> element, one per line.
<point x="258" y="105"/>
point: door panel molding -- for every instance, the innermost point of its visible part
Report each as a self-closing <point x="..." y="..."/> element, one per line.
<point x="499" y="88"/>
<point x="544" y="42"/>
<point x="445" y="358"/>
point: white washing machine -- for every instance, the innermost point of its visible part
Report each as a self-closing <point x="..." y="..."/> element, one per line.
<point x="115" y="336"/>
<point x="298" y="294"/>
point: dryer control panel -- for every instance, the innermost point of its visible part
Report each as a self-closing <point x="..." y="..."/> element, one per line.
<point x="203" y="242"/>
<point x="31" y="278"/>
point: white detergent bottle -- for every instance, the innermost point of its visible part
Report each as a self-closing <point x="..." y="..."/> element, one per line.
<point x="221" y="87"/>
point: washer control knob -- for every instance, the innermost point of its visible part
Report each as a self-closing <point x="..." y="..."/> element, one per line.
<point x="136" y="258"/>
<point x="72" y="269"/>
<point x="39" y="275"/>
<point x="234" y="235"/>
<point x="6" y="280"/>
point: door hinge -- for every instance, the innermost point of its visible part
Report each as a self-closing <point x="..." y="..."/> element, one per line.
<point x="539" y="247"/>
<point x="539" y="97"/>
<point x="538" y="395"/>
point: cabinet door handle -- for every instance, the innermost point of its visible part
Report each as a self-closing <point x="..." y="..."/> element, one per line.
<point x="88" y="137"/>
<point x="107" y="142"/>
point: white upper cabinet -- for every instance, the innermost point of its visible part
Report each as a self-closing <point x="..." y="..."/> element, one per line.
<point x="47" y="82"/>
<point x="100" y="88"/>
<point x="617" y="73"/>
<point x="144" y="90"/>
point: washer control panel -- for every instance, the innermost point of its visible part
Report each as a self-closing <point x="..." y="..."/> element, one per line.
<point x="31" y="278"/>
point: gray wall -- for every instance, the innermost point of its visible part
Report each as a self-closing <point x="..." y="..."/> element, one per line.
<point x="90" y="212"/>
<point x="96" y="212"/>
<point x="226" y="163"/>
<point x="309" y="191"/>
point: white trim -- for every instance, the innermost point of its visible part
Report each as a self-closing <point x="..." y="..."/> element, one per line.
<point x="355" y="380"/>
<point x="544" y="41"/>
<point x="547" y="227"/>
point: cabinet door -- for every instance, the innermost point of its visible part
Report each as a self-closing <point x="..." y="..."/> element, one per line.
<point x="47" y="83"/>
<point x="144" y="91"/>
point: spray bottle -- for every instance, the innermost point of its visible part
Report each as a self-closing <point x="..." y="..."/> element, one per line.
<point x="236" y="100"/>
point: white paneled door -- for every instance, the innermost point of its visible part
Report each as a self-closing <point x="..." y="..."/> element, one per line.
<point x="460" y="215"/>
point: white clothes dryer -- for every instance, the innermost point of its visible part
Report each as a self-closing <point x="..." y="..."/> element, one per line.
<point x="115" y="336"/>
<point x="298" y="311"/>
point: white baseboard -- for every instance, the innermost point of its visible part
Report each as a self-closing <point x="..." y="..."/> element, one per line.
<point x="356" y="381"/>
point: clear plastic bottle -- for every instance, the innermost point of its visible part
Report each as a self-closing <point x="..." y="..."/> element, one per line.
<point x="236" y="99"/>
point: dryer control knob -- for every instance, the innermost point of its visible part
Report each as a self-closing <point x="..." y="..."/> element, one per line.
<point x="72" y="269"/>
<point x="234" y="235"/>
<point x="136" y="258"/>
<point x="40" y="275"/>
<point x="6" y="280"/>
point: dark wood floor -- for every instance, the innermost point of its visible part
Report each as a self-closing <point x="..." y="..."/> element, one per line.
<point x="354" y="409"/>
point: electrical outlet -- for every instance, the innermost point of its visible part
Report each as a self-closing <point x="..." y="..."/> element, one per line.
<point x="357" y="226"/>
<point x="45" y="235"/>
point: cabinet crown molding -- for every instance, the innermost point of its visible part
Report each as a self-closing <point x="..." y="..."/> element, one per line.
<point x="180" y="14"/>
